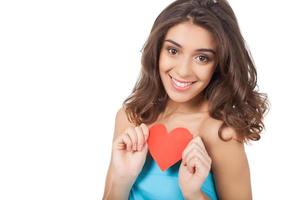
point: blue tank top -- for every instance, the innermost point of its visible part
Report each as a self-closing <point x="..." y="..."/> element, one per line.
<point x="154" y="184"/>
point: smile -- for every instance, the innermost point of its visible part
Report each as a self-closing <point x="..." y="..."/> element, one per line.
<point x="181" y="85"/>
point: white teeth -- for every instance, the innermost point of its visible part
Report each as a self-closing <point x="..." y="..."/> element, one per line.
<point x="179" y="84"/>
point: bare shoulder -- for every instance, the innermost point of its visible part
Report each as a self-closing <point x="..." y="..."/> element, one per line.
<point x="229" y="161"/>
<point x="121" y="122"/>
<point x="211" y="127"/>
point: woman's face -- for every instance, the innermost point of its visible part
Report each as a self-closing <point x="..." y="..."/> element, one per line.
<point x="187" y="61"/>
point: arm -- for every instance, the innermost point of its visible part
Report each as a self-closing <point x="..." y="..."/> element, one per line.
<point x="112" y="186"/>
<point x="118" y="190"/>
<point x="230" y="166"/>
<point x="199" y="196"/>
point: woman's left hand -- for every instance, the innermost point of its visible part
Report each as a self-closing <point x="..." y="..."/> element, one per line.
<point x="194" y="168"/>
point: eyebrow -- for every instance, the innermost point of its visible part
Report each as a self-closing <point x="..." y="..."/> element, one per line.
<point x="198" y="50"/>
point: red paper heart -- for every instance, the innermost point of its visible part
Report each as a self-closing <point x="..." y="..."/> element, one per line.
<point x="166" y="148"/>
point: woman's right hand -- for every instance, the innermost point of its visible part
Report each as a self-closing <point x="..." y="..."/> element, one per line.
<point x="129" y="153"/>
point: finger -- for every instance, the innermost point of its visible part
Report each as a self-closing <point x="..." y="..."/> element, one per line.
<point x="126" y="136"/>
<point x="140" y="137"/>
<point x="199" y="141"/>
<point x="126" y="142"/>
<point x="193" y="152"/>
<point x="187" y="150"/>
<point x="202" y="169"/>
<point x="197" y="152"/>
<point x="198" y="167"/>
<point x="205" y="163"/>
<point x="198" y="144"/>
<point x="133" y="136"/>
<point x="120" y="143"/>
<point x="145" y="130"/>
<point x="191" y="164"/>
<point x="190" y="146"/>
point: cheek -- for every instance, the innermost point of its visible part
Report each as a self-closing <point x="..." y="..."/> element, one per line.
<point x="205" y="74"/>
<point x="165" y="64"/>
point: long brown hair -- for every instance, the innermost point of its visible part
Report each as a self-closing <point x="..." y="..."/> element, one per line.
<point x="232" y="91"/>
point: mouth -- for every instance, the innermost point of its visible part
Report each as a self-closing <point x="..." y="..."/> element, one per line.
<point x="181" y="85"/>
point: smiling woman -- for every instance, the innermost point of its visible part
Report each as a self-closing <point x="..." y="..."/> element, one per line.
<point x="198" y="74"/>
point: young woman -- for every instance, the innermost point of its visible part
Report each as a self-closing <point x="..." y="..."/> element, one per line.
<point x="198" y="74"/>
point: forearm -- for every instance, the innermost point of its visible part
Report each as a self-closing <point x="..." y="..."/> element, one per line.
<point x="198" y="196"/>
<point x="118" y="191"/>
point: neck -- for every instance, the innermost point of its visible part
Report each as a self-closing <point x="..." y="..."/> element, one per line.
<point x="196" y="105"/>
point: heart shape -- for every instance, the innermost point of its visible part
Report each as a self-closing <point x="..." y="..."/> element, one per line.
<point x="166" y="148"/>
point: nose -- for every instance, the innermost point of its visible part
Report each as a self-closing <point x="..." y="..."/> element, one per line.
<point x="184" y="69"/>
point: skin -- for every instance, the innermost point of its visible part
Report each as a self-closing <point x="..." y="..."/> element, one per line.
<point x="206" y="151"/>
<point x="186" y="64"/>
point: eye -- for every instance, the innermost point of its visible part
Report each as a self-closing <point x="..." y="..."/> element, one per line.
<point x="172" y="51"/>
<point x="203" y="59"/>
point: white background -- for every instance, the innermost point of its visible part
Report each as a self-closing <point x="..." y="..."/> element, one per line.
<point x="67" y="66"/>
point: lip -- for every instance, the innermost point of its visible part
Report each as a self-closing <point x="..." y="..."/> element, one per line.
<point x="181" y="89"/>
<point x="181" y="80"/>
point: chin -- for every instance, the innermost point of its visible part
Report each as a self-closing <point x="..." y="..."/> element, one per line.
<point x="181" y="98"/>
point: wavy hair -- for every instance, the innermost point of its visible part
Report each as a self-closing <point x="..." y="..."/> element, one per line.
<point x="232" y="91"/>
